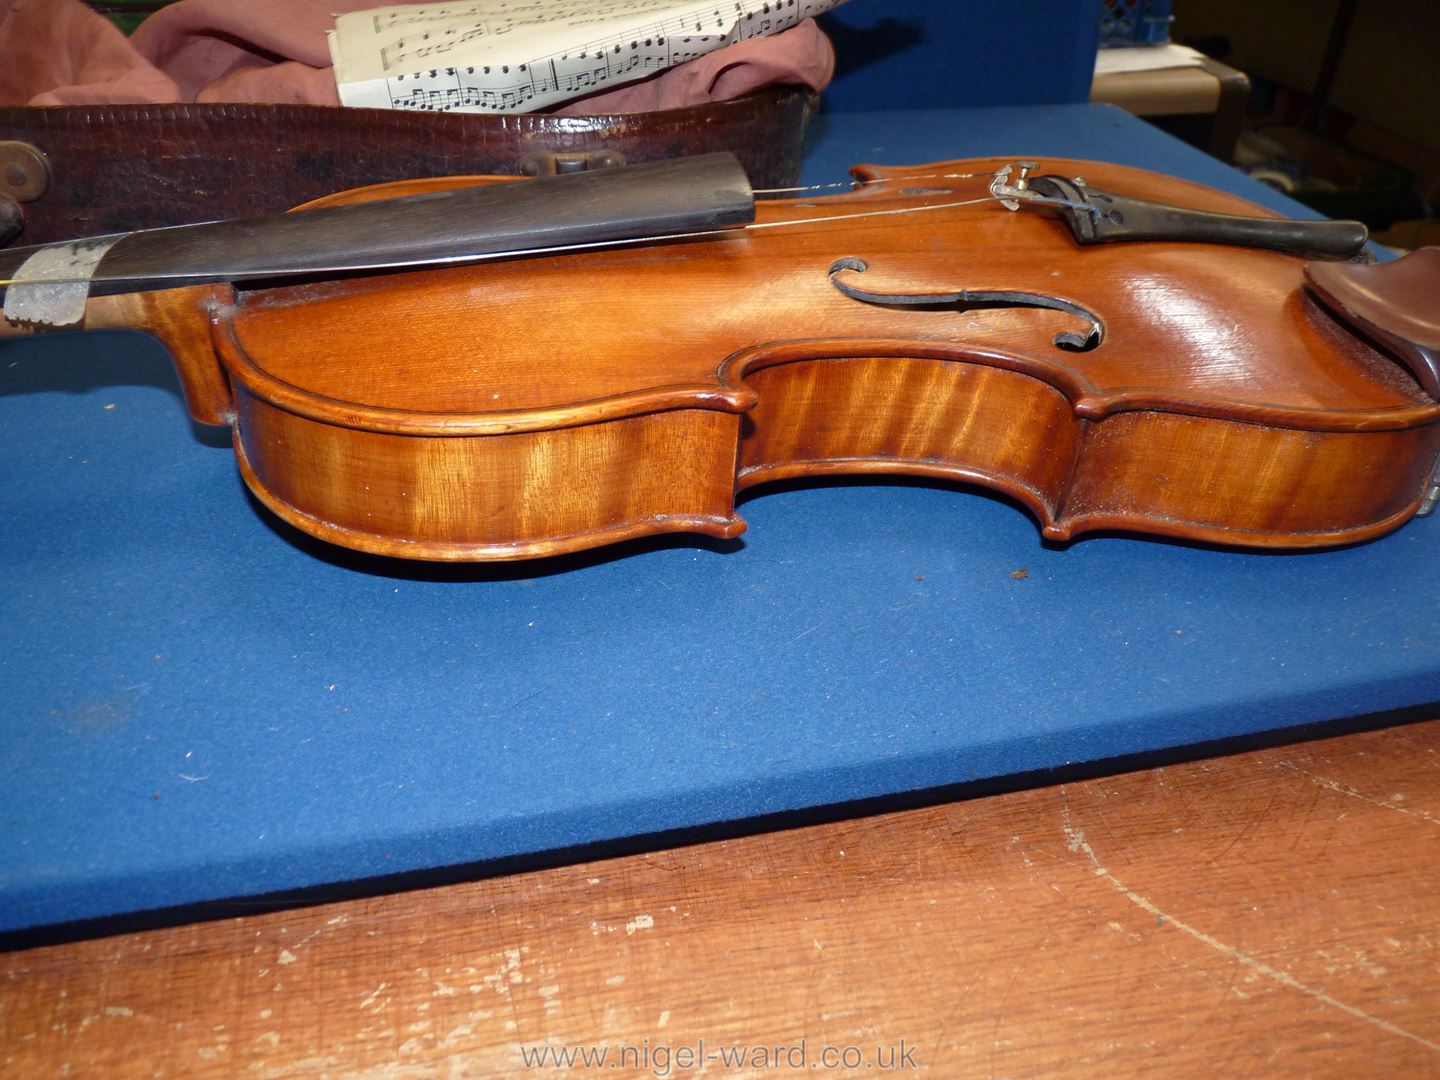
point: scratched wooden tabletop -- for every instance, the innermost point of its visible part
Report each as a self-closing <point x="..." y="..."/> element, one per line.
<point x="1271" y="913"/>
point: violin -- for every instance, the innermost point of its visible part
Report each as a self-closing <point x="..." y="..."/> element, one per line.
<point x="491" y="368"/>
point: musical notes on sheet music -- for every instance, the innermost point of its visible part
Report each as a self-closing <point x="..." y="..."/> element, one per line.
<point x="522" y="55"/>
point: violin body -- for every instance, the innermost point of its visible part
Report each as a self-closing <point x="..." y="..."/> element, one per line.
<point x="554" y="403"/>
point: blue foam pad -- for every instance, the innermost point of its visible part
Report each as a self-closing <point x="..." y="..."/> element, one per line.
<point x="200" y="704"/>
<point x="937" y="53"/>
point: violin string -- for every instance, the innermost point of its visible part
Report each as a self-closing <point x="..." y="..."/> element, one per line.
<point x="655" y="239"/>
<point x="454" y="260"/>
<point x="853" y="185"/>
<point x="865" y="214"/>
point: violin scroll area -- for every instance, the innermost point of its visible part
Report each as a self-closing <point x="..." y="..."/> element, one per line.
<point x="1084" y="339"/>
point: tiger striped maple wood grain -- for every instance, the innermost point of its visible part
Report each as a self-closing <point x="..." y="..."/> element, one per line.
<point x="1270" y="914"/>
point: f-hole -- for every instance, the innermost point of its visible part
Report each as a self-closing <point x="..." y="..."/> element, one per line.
<point x="973" y="300"/>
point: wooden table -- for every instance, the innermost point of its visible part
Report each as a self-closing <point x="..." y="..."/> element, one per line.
<point x="1272" y="913"/>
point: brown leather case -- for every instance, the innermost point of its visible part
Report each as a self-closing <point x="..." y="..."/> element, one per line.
<point x="121" y="167"/>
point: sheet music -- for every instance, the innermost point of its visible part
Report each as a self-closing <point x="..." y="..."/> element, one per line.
<point x="522" y="55"/>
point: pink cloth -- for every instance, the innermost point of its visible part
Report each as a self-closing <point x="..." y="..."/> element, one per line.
<point x="59" y="52"/>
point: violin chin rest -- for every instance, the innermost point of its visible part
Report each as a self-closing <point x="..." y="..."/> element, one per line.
<point x="1396" y="304"/>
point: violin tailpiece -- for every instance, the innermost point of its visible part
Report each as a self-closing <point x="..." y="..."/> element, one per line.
<point x="1096" y="217"/>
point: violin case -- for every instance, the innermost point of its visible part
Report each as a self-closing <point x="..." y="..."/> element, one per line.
<point x="73" y="171"/>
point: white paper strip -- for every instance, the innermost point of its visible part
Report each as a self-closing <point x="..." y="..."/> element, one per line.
<point x="51" y="286"/>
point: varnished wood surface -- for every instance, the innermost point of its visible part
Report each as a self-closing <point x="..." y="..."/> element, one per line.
<point x="1222" y="405"/>
<point x="1216" y="327"/>
<point x="551" y="404"/>
<point x="1273" y="913"/>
